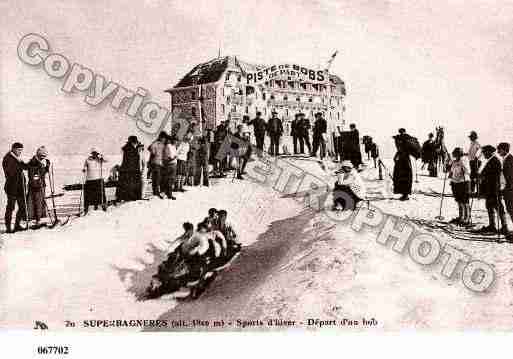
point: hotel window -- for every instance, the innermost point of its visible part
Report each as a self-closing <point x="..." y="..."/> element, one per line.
<point x="303" y="86"/>
<point x="222" y="109"/>
<point x="193" y="111"/>
<point x="263" y="96"/>
<point x="272" y="97"/>
<point x="238" y="78"/>
<point x="234" y="108"/>
<point x="193" y="95"/>
<point x="287" y="112"/>
<point x="227" y="76"/>
<point x="298" y="99"/>
<point x="247" y="109"/>
<point x="291" y="84"/>
<point x="310" y="100"/>
<point x="285" y="98"/>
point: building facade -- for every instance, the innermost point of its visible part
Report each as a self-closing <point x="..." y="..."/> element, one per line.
<point x="229" y="89"/>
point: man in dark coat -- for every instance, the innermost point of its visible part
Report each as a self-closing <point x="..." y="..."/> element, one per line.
<point x="403" y="173"/>
<point x="507" y="171"/>
<point x="319" y="135"/>
<point x="14" y="187"/>
<point x="259" y="127"/>
<point x="294" y="132"/>
<point x="202" y="162"/>
<point x="303" y="131"/>
<point x="356" y="153"/>
<point x="130" y="172"/>
<point x="220" y="166"/>
<point x="489" y="189"/>
<point x="275" y="130"/>
<point x="429" y="155"/>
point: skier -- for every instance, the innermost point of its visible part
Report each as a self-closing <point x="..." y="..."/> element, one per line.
<point x="38" y="168"/>
<point x="319" y="135"/>
<point x="14" y="187"/>
<point x="459" y="175"/>
<point x="349" y="183"/>
<point x="403" y="173"/>
<point x="94" y="189"/>
<point x="275" y="131"/>
<point x="489" y="189"/>
<point x="473" y="154"/>
<point x="374" y="152"/>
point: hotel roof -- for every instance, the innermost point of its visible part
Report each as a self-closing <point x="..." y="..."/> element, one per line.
<point x="212" y="71"/>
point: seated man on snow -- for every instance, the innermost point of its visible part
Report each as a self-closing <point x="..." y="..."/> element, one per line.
<point x="349" y="188"/>
<point x="229" y="233"/>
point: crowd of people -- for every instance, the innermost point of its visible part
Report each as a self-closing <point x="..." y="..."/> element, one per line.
<point x="482" y="172"/>
<point x="197" y="255"/>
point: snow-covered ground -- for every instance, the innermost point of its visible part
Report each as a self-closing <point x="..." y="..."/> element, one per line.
<point x="296" y="264"/>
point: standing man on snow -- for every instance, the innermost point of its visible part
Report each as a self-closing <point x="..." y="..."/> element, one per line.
<point x="428" y="155"/>
<point x="319" y="135"/>
<point x="473" y="154"/>
<point x="14" y="187"/>
<point x="507" y="171"/>
<point x="259" y="127"/>
<point x="156" y="152"/>
<point x="294" y="132"/>
<point x="275" y="130"/>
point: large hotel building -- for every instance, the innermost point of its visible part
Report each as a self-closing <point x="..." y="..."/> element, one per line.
<point x="227" y="88"/>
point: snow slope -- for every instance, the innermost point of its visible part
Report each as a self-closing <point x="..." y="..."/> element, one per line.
<point x="296" y="265"/>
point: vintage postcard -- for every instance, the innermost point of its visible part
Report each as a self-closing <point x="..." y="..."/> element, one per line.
<point x="256" y="166"/>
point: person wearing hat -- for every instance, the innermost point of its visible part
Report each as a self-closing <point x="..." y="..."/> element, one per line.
<point x="14" y="187"/>
<point x="507" y="171"/>
<point x="156" y="150"/>
<point x="459" y="175"/>
<point x="130" y="171"/>
<point x="38" y="168"/>
<point x="428" y="155"/>
<point x="259" y="128"/>
<point x="319" y="135"/>
<point x="94" y="188"/>
<point x="294" y="132"/>
<point x="275" y="130"/>
<point x="473" y="154"/>
<point x="403" y="173"/>
<point x="355" y="154"/>
<point x="489" y="188"/>
<point x="349" y="188"/>
<point x="303" y="131"/>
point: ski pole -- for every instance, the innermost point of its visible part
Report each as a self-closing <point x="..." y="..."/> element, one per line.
<point x="102" y="189"/>
<point x="440" y="217"/>
<point x="416" y="172"/>
<point x="52" y="190"/>
<point x="24" y="184"/>
<point x="82" y="189"/>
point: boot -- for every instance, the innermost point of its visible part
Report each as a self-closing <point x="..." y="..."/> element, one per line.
<point x="8" y="228"/>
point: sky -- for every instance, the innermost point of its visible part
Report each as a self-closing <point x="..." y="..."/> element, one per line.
<point x="412" y="64"/>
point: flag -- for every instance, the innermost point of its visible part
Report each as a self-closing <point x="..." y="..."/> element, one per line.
<point x="331" y="59"/>
<point x="237" y="63"/>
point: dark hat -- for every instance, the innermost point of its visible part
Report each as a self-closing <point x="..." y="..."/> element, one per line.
<point x="301" y="114"/>
<point x="431" y="135"/>
<point x="473" y="134"/>
<point x="133" y="139"/>
<point x="259" y="113"/>
<point x="457" y="152"/>
<point x="488" y="149"/>
<point x="16" y="145"/>
<point x="401" y="130"/>
<point x="503" y="146"/>
<point x="318" y="114"/>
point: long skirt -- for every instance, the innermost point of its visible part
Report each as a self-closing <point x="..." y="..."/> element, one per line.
<point x="94" y="193"/>
<point x="129" y="186"/>
<point x="403" y="175"/>
<point x="36" y="204"/>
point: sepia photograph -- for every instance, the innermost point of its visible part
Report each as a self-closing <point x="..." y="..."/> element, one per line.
<point x="271" y="167"/>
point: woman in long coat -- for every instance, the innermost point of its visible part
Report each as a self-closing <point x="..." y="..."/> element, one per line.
<point x="37" y="169"/>
<point x="130" y="172"/>
<point x="403" y="173"/>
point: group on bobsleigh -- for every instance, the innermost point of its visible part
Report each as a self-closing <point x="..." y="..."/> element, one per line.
<point x="196" y="257"/>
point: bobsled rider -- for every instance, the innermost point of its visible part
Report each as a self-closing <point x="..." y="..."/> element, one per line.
<point x="349" y="183"/>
